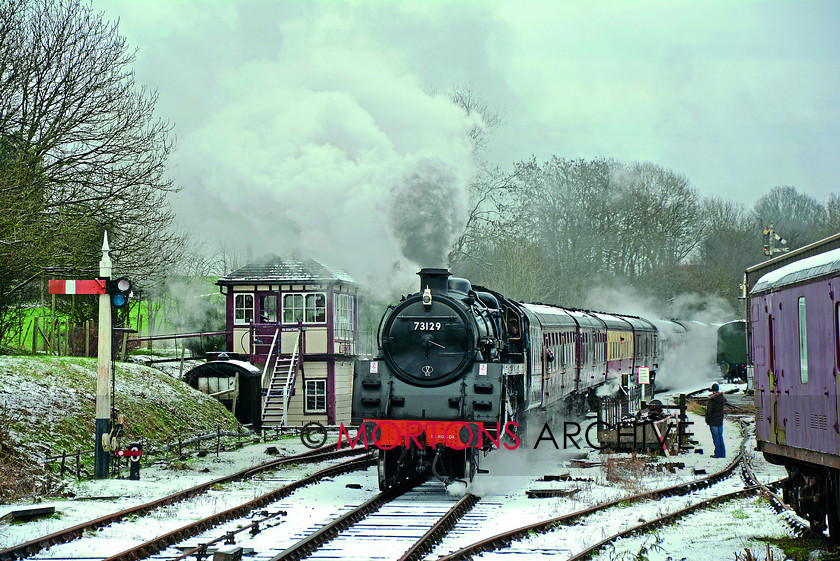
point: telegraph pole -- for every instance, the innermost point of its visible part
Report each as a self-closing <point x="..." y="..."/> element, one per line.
<point x="103" y="396"/>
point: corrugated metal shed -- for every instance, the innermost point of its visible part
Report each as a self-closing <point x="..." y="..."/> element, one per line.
<point x="278" y="270"/>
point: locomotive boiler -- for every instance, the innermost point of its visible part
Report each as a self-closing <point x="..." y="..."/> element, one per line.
<point x="460" y="370"/>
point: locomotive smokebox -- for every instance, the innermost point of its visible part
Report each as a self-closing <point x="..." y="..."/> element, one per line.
<point x="435" y="279"/>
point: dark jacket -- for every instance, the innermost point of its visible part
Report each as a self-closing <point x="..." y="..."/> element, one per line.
<point x="714" y="409"/>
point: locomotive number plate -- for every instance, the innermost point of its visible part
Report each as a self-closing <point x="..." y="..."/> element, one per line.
<point x="427" y="326"/>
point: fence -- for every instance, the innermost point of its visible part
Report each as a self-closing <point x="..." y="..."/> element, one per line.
<point x="624" y="410"/>
<point x="83" y="459"/>
<point x="51" y="335"/>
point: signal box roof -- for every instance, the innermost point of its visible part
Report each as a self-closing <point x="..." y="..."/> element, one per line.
<point x="274" y="270"/>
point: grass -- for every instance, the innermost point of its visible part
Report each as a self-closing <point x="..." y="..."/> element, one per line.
<point x="694" y="407"/>
<point x="740" y="514"/>
<point x="798" y="548"/>
<point x="49" y="408"/>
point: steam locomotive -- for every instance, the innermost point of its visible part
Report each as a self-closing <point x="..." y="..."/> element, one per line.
<point x="461" y="369"/>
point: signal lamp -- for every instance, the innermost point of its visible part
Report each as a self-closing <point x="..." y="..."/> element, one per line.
<point x="119" y="290"/>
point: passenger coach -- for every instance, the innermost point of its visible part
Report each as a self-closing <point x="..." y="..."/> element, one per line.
<point x="795" y="332"/>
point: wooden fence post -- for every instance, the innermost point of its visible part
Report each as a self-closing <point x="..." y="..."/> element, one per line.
<point x="124" y="346"/>
<point x="87" y="338"/>
<point x="181" y="369"/>
<point x="35" y="336"/>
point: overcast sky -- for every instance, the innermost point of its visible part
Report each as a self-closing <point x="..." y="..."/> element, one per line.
<point x="299" y="122"/>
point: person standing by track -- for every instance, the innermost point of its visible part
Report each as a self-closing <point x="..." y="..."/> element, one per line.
<point x="714" y="418"/>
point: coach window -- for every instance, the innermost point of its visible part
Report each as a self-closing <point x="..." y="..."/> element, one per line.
<point x="243" y="308"/>
<point x="316" y="396"/>
<point x="803" y="342"/>
<point x="837" y="334"/>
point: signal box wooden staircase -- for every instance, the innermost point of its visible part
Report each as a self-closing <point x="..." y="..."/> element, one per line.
<point x="284" y="372"/>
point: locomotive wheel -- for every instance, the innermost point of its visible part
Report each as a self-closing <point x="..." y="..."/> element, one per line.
<point x="470" y="464"/>
<point x="386" y="469"/>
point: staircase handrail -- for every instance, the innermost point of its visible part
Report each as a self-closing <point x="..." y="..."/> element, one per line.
<point x="290" y="380"/>
<point x="268" y="362"/>
<point x="270" y="354"/>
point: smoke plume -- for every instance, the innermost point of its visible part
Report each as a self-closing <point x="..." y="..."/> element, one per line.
<point x="427" y="211"/>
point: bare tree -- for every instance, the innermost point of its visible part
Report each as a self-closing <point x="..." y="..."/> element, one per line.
<point x="82" y="150"/>
<point x="729" y="243"/>
<point x="797" y="217"/>
<point x="488" y="119"/>
<point x="831" y="225"/>
<point x="657" y="220"/>
<point x="489" y="187"/>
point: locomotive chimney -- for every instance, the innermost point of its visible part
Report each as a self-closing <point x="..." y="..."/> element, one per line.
<point x="435" y="279"/>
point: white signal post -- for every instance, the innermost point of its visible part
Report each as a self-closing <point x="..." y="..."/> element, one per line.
<point x="103" y="397"/>
<point x="103" y="368"/>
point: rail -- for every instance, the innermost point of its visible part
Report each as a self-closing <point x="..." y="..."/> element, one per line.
<point x="27" y="549"/>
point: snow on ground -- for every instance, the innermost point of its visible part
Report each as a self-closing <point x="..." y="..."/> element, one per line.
<point x="98" y="497"/>
<point x="714" y="535"/>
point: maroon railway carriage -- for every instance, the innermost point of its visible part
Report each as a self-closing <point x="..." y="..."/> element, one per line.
<point x="795" y="318"/>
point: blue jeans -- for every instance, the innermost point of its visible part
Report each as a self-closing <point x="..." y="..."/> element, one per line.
<point x="717" y="438"/>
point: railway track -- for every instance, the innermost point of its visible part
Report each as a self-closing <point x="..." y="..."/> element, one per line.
<point x="508" y="541"/>
<point x="32" y="547"/>
<point x="403" y="524"/>
<point x="753" y="487"/>
<point x="406" y="524"/>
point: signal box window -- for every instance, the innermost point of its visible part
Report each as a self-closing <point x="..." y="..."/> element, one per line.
<point x="292" y="308"/>
<point x="243" y="308"/>
<point x="268" y="308"/>
<point x="316" y="396"/>
<point x="343" y="317"/>
<point x="316" y="308"/>
<point x="306" y="308"/>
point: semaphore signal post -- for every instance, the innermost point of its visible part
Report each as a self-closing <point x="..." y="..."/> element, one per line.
<point x="101" y="286"/>
<point x="103" y="369"/>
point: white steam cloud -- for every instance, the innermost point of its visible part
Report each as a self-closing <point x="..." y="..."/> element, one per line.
<point x="691" y="364"/>
<point x="315" y="149"/>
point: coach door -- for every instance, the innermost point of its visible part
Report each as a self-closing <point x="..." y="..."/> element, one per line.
<point x="837" y="364"/>
<point x="776" y="425"/>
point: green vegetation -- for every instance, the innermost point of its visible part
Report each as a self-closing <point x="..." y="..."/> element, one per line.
<point x="740" y="514"/>
<point x="798" y="548"/>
